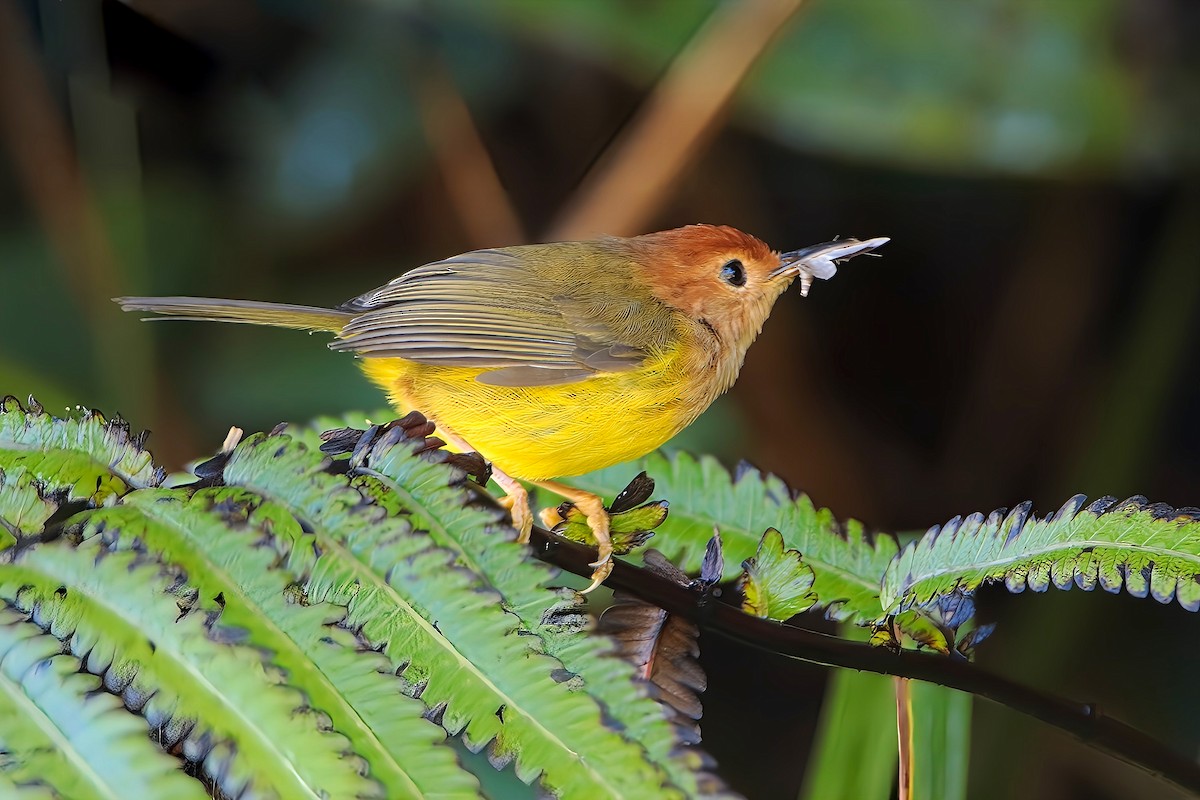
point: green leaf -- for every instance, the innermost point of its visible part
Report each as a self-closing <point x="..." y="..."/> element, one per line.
<point x="446" y="626"/>
<point x="1148" y="549"/>
<point x="440" y="500"/>
<point x="61" y="735"/>
<point x="232" y="544"/>
<point x="88" y="457"/>
<point x="142" y="632"/>
<point x="776" y="583"/>
<point x="944" y="102"/>
<point x="941" y="741"/>
<point x="11" y="791"/>
<point x="854" y="755"/>
<point x="846" y="562"/>
<point x="23" y="507"/>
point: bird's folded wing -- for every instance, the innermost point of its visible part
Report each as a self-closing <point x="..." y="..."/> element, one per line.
<point x="484" y="310"/>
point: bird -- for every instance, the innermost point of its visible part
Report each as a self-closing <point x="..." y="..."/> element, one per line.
<point x="557" y="359"/>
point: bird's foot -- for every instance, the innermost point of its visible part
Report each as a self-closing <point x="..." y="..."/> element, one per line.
<point x="551" y="517"/>
<point x="628" y="529"/>
<point x="624" y="526"/>
<point x="599" y="575"/>
<point x="600" y="523"/>
<point x="522" y="515"/>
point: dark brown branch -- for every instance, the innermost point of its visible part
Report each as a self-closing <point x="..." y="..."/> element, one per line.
<point x="1082" y="720"/>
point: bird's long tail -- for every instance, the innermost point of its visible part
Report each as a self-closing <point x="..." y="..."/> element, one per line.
<point x="252" y="312"/>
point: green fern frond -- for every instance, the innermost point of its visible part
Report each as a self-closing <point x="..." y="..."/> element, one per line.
<point x="24" y="507"/>
<point x="197" y="687"/>
<point x="62" y="736"/>
<point x="29" y="791"/>
<point x="439" y="501"/>
<point x="1147" y="548"/>
<point x="87" y="457"/>
<point x="846" y="561"/>
<point x="233" y="545"/>
<point x="461" y="650"/>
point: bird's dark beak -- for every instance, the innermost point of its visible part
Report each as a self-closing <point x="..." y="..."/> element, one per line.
<point x="821" y="260"/>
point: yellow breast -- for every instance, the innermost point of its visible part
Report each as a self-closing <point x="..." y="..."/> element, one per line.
<point x="542" y="432"/>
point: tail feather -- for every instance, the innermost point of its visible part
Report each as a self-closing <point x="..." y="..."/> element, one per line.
<point x="252" y="312"/>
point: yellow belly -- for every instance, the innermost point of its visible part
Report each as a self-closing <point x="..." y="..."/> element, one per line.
<point x="542" y="432"/>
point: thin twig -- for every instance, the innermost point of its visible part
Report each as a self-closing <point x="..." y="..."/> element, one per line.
<point x="630" y="182"/>
<point x="1082" y="720"/>
<point x="904" y="736"/>
<point x="476" y="192"/>
<point x="45" y="164"/>
<point x="38" y="137"/>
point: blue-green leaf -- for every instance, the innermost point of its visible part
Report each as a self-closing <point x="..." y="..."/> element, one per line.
<point x="1150" y="549"/>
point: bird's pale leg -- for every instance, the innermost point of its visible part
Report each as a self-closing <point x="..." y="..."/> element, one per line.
<point x="517" y="500"/>
<point x="517" y="503"/>
<point x="598" y="520"/>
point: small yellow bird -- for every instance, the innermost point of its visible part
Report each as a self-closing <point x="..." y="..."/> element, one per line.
<point x="557" y="359"/>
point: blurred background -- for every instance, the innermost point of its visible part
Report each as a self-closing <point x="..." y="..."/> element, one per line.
<point x="1031" y="332"/>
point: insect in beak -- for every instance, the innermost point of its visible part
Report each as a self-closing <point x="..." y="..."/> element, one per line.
<point x="821" y="260"/>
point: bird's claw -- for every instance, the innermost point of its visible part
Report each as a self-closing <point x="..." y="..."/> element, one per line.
<point x="599" y="523"/>
<point x="603" y="569"/>
<point x="604" y="554"/>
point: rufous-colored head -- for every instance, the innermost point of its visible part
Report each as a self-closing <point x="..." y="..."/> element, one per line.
<point x="730" y="279"/>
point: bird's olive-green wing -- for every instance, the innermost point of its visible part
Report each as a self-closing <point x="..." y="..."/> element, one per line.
<point x="485" y="310"/>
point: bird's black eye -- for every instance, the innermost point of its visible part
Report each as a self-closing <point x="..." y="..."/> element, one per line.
<point x="734" y="273"/>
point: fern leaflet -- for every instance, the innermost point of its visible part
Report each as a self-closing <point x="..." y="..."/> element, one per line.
<point x="462" y="651"/>
<point x="89" y="458"/>
<point x="138" y="628"/>
<point x="1147" y="548"/>
<point x="231" y="544"/>
<point x="24" y="508"/>
<point x="846" y="561"/>
<point x="437" y="500"/>
<point x="62" y="736"/>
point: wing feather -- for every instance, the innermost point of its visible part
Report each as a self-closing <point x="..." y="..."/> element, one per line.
<point x="485" y="309"/>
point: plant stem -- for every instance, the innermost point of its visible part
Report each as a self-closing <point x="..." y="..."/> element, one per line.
<point x="904" y="737"/>
<point x="1082" y="720"/>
